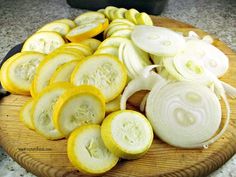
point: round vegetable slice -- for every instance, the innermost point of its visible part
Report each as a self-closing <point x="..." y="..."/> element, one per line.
<point x="158" y="40"/>
<point x="133" y="58"/>
<point x="113" y="41"/>
<point x="4" y="79"/>
<point x="88" y="17"/>
<point x="91" y="43"/>
<point x="84" y="49"/>
<point x="103" y="71"/>
<point x="109" y="12"/>
<point x="87" y="152"/>
<point x="84" y="31"/>
<point x="43" y="107"/>
<point x="114" y="28"/>
<point x="113" y="105"/>
<point x="122" y="33"/>
<point x="122" y="21"/>
<point x="89" y="109"/>
<point x="102" y="11"/>
<point x="58" y="27"/>
<point x="108" y="50"/>
<point x="209" y="56"/>
<point x="66" y="21"/>
<point x="120" y="13"/>
<point x="184" y="114"/>
<point x="146" y="80"/>
<point x="131" y="15"/>
<point x="43" y="42"/>
<point x="21" y="70"/>
<point x="48" y="66"/>
<point x="144" y="19"/>
<point x="63" y="73"/>
<point x="127" y="134"/>
<point x="25" y="114"/>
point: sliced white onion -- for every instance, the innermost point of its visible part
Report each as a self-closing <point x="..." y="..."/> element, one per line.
<point x="186" y="114"/>
<point x="143" y="103"/>
<point x="145" y="81"/>
<point x="158" y="40"/>
<point x="134" y="58"/>
<point x="209" y="56"/>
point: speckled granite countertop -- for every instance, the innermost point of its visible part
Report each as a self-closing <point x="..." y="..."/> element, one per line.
<point x="20" y="18"/>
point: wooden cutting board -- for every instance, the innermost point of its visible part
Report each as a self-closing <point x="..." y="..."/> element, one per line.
<point x="46" y="158"/>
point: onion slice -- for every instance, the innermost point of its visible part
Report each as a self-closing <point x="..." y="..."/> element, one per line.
<point x="144" y="81"/>
<point x="158" y="40"/>
<point x="186" y="114"/>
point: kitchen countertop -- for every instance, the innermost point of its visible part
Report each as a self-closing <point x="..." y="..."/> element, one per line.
<point x="20" y="18"/>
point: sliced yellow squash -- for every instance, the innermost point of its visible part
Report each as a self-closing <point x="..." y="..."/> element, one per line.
<point x="66" y="21"/>
<point x="85" y="31"/>
<point x="63" y="73"/>
<point x="127" y="134"/>
<point x="81" y="48"/>
<point x="103" y="71"/>
<point x="113" y="41"/>
<point x="88" y="17"/>
<point x="58" y="27"/>
<point x="80" y="106"/>
<point x="113" y="105"/>
<point x="122" y="21"/>
<point x="43" y="42"/>
<point x="48" y="66"/>
<point x="108" y="50"/>
<point x="131" y="15"/>
<point x="144" y="19"/>
<point x="42" y="110"/>
<point x="25" y="114"/>
<point x="87" y="152"/>
<point x="4" y="79"/>
<point x="120" y="13"/>
<point x="122" y="33"/>
<point x="109" y="12"/>
<point x="91" y="43"/>
<point x="21" y="70"/>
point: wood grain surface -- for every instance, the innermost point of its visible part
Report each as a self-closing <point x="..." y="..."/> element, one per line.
<point x="46" y="158"/>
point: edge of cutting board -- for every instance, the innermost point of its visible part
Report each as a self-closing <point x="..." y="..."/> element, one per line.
<point x="46" y="158"/>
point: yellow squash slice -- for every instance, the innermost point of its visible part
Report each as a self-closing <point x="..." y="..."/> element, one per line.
<point x="58" y="27"/>
<point x="144" y="19"/>
<point x="80" y="106"/>
<point x="127" y="134"/>
<point x="66" y="21"/>
<point x="63" y="73"/>
<point x="88" y="17"/>
<point x="120" y="13"/>
<point x="85" y="31"/>
<point x="91" y="43"/>
<point x="43" y="107"/>
<point x="113" y="105"/>
<point x="131" y="15"/>
<point x="4" y="79"/>
<point x="113" y="41"/>
<point x="103" y="71"/>
<point x="25" y="114"/>
<point x="110" y="12"/>
<point x="43" y="42"/>
<point x="87" y="152"/>
<point x="108" y="50"/>
<point x="21" y="70"/>
<point x="84" y="49"/>
<point x="122" y="21"/>
<point x="48" y="66"/>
